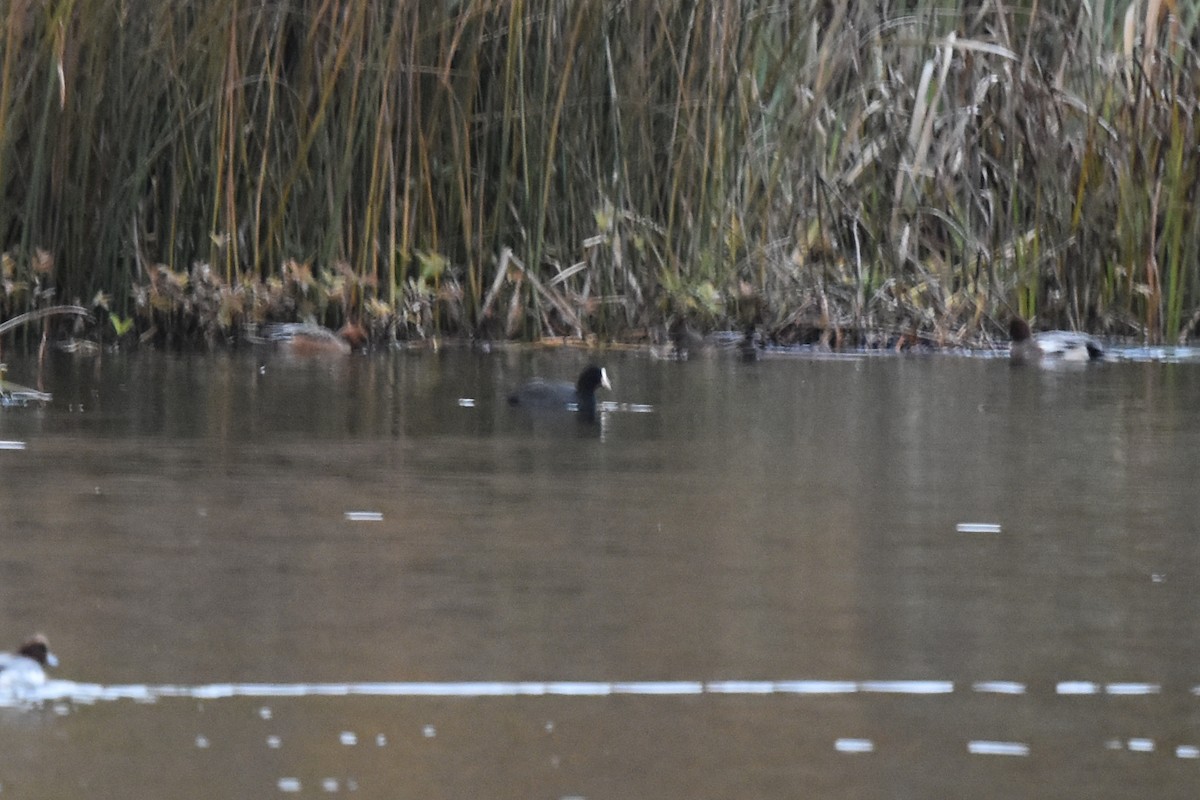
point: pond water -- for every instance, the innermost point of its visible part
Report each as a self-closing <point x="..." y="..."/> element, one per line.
<point x="801" y="577"/>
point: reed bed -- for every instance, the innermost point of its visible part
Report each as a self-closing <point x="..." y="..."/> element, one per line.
<point x="868" y="174"/>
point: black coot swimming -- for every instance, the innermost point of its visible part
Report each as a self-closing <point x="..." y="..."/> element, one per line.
<point x="560" y="395"/>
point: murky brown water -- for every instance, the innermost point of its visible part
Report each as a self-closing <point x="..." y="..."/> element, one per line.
<point x="177" y="524"/>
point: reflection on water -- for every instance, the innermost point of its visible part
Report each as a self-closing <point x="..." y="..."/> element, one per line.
<point x="866" y="577"/>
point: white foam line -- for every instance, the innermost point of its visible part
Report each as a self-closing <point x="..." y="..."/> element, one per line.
<point x="987" y="748"/>
<point x="90" y="693"/>
<point x="999" y="687"/>
<point x="11" y="445"/>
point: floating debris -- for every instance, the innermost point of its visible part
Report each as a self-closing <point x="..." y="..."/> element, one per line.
<point x="364" y="516"/>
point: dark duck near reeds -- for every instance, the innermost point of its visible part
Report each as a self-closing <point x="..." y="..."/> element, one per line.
<point x="541" y="394"/>
<point x="1028" y="347"/>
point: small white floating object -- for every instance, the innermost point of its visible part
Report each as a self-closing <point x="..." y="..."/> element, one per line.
<point x="348" y="738"/>
<point x="1141" y="745"/>
<point x="1076" y="687"/>
<point x="329" y="785"/>
<point x="364" y="516"/>
<point x="202" y="742"/>
<point x="380" y="740"/>
<point x="12" y="445"/>
<point x="854" y="746"/>
<point x="977" y="527"/>
<point x="1157" y="577"/>
<point x="288" y="784"/>
<point x="1187" y="751"/>
<point x="265" y="712"/>
<point x="466" y="402"/>
<point x="429" y="731"/>
<point x="274" y="742"/>
<point x="986" y="748"/>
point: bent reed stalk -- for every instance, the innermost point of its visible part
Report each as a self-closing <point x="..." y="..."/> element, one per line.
<point x="830" y="173"/>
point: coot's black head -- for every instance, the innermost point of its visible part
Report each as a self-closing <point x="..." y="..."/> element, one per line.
<point x="591" y="379"/>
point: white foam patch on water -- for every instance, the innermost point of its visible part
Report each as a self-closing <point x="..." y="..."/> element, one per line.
<point x="816" y="687"/>
<point x="999" y="687"/>
<point x="740" y="687"/>
<point x="364" y="516"/>
<point x="1077" y="687"/>
<point x="988" y="748"/>
<point x="977" y="527"/>
<point x="1132" y="688"/>
<point x="908" y="687"/>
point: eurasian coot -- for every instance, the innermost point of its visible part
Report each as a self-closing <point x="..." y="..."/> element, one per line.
<point x="560" y="395"/>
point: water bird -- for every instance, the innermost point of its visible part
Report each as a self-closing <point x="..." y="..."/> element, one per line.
<point x="309" y="339"/>
<point x="561" y="395"/>
<point x="1028" y="347"/>
<point x="25" y="670"/>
